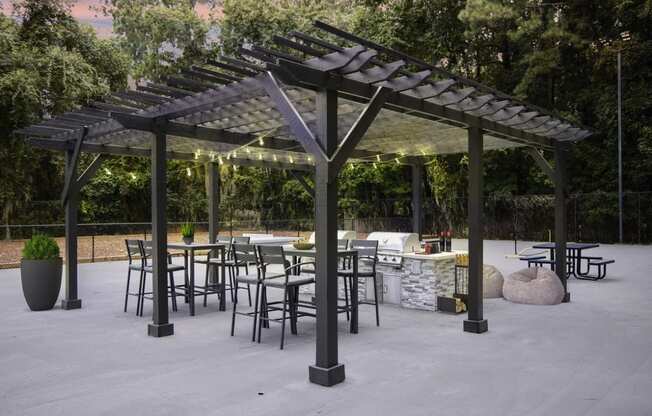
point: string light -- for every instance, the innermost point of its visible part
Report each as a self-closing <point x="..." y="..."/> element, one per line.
<point x="275" y="158"/>
<point x="351" y="166"/>
<point x="197" y="153"/>
<point x="107" y="171"/>
<point x="235" y="154"/>
<point x="378" y="158"/>
<point x="398" y="162"/>
<point x="260" y="156"/>
<point x="309" y="158"/>
<point x="133" y="176"/>
<point x="375" y="165"/>
<point x="291" y="159"/>
<point x="248" y="150"/>
<point x="219" y="159"/>
<point x="212" y="156"/>
<point x="423" y="153"/>
<point x="188" y="172"/>
<point x="261" y="141"/>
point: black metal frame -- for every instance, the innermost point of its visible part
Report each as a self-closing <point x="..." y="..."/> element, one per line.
<point x="361" y="72"/>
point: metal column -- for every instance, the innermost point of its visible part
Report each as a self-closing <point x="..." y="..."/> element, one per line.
<point x="213" y="195"/>
<point x="70" y="300"/>
<point x="326" y="371"/>
<point x="561" y="230"/>
<point x="160" y="326"/>
<point x="417" y="192"/>
<point x="475" y="322"/>
<point x="620" y="150"/>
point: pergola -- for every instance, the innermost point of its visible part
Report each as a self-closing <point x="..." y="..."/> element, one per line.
<point x="311" y="104"/>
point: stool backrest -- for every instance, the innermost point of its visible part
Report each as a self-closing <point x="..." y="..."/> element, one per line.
<point x="366" y="249"/>
<point x="241" y="240"/>
<point x="145" y="248"/>
<point x="245" y="253"/>
<point x="342" y="244"/>
<point x="132" y="249"/>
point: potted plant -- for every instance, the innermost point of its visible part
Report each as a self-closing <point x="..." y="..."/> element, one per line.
<point x="40" y="272"/>
<point x="188" y="232"/>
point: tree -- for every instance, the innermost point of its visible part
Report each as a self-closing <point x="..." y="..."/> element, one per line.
<point x="50" y="64"/>
<point x="161" y="36"/>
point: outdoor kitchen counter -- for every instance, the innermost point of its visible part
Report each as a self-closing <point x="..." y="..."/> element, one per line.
<point x="426" y="276"/>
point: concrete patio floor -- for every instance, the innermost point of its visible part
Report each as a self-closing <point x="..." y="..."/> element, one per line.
<point x="592" y="356"/>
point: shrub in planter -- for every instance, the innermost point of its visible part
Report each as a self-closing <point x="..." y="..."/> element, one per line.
<point x="188" y="232"/>
<point x="40" y="272"/>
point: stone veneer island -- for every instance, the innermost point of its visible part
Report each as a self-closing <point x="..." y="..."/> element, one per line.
<point x="426" y="276"/>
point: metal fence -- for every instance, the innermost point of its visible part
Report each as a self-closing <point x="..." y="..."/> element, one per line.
<point x="591" y="217"/>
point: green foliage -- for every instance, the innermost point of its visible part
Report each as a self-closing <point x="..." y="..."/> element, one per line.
<point x="187" y="230"/>
<point x="246" y="22"/>
<point x="40" y="247"/>
<point x="49" y="64"/>
<point x="160" y="36"/>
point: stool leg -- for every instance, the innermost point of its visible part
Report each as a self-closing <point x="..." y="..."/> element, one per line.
<point x="235" y="305"/>
<point x="376" y="301"/>
<point x="173" y="293"/>
<point x="206" y="285"/>
<point x="346" y="297"/>
<point x="263" y="311"/>
<point x="127" y="291"/>
<point x="285" y="305"/>
<point x="253" y="334"/>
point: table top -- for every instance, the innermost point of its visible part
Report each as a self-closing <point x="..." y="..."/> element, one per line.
<point x="573" y="246"/>
<point x="195" y="246"/>
<point x="291" y="251"/>
<point x="271" y="240"/>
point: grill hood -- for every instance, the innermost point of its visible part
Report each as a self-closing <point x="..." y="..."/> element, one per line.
<point x="341" y="235"/>
<point x="396" y="242"/>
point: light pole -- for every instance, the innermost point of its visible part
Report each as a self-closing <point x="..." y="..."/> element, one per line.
<point x="625" y="36"/>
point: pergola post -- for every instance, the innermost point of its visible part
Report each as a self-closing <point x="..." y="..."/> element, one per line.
<point x="70" y="300"/>
<point x="160" y="325"/>
<point x="475" y="322"/>
<point x="327" y="371"/>
<point x="213" y="196"/>
<point x="417" y="197"/>
<point x="561" y="228"/>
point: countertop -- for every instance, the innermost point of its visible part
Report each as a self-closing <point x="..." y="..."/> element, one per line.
<point x="434" y="257"/>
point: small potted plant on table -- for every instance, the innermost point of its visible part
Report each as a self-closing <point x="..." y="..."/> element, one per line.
<point x="40" y="272"/>
<point x="188" y="232"/>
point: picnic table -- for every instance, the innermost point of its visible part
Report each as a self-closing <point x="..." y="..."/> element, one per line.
<point x="574" y="253"/>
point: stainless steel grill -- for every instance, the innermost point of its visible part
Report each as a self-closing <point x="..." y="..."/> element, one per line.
<point x="392" y="246"/>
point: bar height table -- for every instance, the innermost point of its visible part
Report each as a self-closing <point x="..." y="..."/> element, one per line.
<point x="189" y="260"/>
<point x="296" y="253"/>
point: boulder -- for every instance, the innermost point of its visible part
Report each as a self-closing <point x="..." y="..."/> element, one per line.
<point x="492" y="286"/>
<point x="534" y="286"/>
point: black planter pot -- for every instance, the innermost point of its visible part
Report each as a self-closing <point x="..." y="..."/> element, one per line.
<point x="41" y="281"/>
<point x="188" y="240"/>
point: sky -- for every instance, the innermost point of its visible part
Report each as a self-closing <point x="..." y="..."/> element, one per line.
<point x="82" y="10"/>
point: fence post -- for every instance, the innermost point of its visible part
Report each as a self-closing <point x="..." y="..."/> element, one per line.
<point x="93" y="245"/>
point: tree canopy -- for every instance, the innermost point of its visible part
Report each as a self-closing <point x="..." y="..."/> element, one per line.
<point x="559" y="55"/>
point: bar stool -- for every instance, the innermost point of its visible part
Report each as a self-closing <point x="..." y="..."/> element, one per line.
<point x="286" y="281"/>
<point x="247" y="254"/>
<point x="145" y="249"/>
<point x="367" y="252"/>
